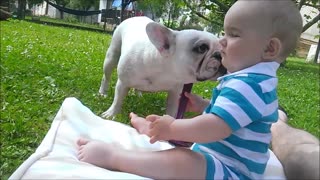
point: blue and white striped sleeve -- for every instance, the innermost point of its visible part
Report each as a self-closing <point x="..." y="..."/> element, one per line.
<point x="243" y="100"/>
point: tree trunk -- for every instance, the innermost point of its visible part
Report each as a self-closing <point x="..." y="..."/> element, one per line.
<point x="310" y="23"/>
<point x="315" y="60"/>
<point x="122" y="10"/>
<point x="61" y="14"/>
<point x="21" y="9"/>
<point x="169" y="19"/>
<point x="47" y="8"/>
<point x="301" y="3"/>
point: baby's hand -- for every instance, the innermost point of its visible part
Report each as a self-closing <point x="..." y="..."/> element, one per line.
<point x="195" y="103"/>
<point x="160" y="127"/>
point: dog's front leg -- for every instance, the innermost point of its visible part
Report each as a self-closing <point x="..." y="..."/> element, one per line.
<point x="173" y="101"/>
<point x="121" y="92"/>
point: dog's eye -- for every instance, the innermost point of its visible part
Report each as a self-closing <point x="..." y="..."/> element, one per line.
<point x="201" y="48"/>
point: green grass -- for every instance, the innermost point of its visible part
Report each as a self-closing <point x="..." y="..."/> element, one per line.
<point x="42" y="65"/>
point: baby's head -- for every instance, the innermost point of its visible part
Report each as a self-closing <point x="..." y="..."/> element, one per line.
<point x="269" y="30"/>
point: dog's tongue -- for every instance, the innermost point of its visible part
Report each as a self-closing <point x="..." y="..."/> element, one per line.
<point x="181" y="110"/>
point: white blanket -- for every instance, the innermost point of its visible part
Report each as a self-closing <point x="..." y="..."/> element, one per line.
<point x="55" y="158"/>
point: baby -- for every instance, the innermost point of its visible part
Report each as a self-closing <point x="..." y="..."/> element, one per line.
<point x="232" y="135"/>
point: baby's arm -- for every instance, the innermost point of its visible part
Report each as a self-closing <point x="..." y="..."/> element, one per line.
<point x="200" y="129"/>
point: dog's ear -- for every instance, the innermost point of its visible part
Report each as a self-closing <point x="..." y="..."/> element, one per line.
<point x="161" y="37"/>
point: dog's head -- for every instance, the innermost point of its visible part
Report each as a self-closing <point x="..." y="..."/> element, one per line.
<point x="195" y="54"/>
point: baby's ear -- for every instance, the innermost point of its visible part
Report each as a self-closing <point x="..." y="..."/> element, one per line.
<point x="273" y="49"/>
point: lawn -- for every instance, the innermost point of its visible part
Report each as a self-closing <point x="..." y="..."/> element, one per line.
<point x="42" y="65"/>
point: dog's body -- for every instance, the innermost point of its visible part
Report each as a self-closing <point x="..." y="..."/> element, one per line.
<point x="151" y="57"/>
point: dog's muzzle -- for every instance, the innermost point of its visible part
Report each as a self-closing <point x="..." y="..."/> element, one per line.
<point x="222" y="70"/>
<point x="214" y="67"/>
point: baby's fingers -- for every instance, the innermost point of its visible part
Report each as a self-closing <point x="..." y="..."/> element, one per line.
<point x="189" y="95"/>
<point x="133" y="115"/>
<point x="153" y="139"/>
<point x="152" y="117"/>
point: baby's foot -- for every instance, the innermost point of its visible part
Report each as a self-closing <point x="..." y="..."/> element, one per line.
<point x="140" y="124"/>
<point x="97" y="153"/>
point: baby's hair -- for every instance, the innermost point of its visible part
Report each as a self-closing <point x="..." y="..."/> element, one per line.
<point x="286" y="25"/>
<point x="284" y="20"/>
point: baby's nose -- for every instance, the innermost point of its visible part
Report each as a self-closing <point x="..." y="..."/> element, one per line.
<point x="223" y="42"/>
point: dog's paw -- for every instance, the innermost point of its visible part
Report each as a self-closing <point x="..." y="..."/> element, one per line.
<point x="138" y="93"/>
<point x="102" y="92"/>
<point x="109" y="114"/>
<point x="103" y="95"/>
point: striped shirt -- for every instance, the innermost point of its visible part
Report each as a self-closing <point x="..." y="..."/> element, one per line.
<point x="247" y="101"/>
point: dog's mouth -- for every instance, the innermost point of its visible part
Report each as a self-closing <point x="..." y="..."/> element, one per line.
<point x="213" y="68"/>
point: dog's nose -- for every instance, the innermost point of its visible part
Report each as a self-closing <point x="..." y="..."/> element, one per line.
<point x="217" y="55"/>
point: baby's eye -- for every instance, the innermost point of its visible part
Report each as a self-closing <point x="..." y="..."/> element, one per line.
<point x="232" y="34"/>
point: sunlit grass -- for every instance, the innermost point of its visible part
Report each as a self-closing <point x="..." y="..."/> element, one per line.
<point x="42" y="65"/>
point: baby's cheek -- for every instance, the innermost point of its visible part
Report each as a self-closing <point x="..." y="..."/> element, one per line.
<point x="224" y="62"/>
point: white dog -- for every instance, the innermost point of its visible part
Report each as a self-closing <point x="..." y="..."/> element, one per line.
<point x="151" y="57"/>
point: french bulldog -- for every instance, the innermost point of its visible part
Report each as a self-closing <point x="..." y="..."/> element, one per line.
<point x="151" y="57"/>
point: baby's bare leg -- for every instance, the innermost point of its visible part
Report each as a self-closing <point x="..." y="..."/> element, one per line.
<point x="177" y="163"/>
<point x="140" y="124"/>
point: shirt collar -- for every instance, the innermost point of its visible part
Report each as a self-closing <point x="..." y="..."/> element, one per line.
<point x="266" y="68"/>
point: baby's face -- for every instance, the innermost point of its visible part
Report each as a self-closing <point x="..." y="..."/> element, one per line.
<point x="246" y="36"/>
